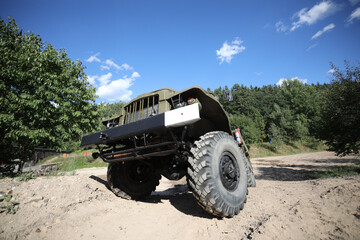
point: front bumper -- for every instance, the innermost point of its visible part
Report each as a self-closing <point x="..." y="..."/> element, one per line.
<point x="175" y="118"/>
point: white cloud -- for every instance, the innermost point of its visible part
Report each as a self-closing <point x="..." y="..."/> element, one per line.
<point x="355" y="15"/>
<point x="113" y="90"/>
<point x="104" y="79"/>
<point x="321" y="32"/>
<point x="281" y="27"/>
<point x="237" y="41"/>
<point x="116" y="90"/>
<point x="316" y="13"/>
<point x="284" y="80"/>
<point x="111" y="64"/>
<point x="312" y="46"/>
<point x="93" y="58"/>
<point x="135" y="75"/>
<point x="331" y="71"/>
<point x="227" y="51"/>
<point x="126" y="67"/>
<point x="103" y="67"/>
<point x="354" y="2"/>
<point x="91" y="79"/>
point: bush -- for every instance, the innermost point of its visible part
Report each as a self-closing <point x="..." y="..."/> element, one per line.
<point x="247" y="126"/>
<point x="27" y="176"/>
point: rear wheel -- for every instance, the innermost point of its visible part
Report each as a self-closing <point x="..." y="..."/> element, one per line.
<point x="217" y="174"/>
<point x="132" y="179"/>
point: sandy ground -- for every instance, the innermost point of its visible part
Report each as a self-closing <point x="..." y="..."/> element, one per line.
<point x="284" y="205"/>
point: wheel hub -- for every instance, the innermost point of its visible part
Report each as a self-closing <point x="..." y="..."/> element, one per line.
<point x="138" y="172"/>
<point x="229" y="171"/>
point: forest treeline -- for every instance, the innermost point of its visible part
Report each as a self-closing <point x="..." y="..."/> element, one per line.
<point x="296" y="111"/>
<point x="272" y="113"/>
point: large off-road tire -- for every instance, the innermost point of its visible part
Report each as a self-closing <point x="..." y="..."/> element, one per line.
<point x="132" y="179"/>
<point x="217" y="174"/>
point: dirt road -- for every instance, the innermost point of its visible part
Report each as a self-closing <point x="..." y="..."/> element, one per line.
<point x="284" y="205"/>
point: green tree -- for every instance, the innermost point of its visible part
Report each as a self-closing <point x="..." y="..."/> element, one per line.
<point x="247" y="126"/>
<point x="259" y="121"/>
<point x="108" y="110"/>
<point x="45" y="98"/>
<point x="280" y="125"/>
<point x="340" y="124"/>
<point x="304" y="102"/>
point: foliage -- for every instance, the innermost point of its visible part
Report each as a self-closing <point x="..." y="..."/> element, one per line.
<point x="296" y="111"/>
<point x="340" y="122"/>
<point x="27" y="176"/>
<point x="77" y="162"/>
<point x="279" y="114"/>
<point x="280" y="125"/>
<point x="7" y="205"/>
<point x="108" y="110"/>
<point x="45" y="99"/>
<point x="248" y="127"/>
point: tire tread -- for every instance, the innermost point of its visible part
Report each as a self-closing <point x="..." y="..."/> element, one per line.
<point x="200" y="179"/>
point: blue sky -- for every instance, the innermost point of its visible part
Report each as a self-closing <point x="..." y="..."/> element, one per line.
<point x="132" y="47"/>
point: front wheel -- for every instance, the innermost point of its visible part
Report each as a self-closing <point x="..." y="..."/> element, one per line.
<point x="217" y="174"/>
<point x="132" y="179"/>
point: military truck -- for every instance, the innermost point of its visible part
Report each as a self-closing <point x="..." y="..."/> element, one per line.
<point x="175" y="134"/>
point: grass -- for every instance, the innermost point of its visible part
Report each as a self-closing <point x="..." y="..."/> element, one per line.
<point x="27" y="176"/>
<point x="66" y="165"/>
<point x="7" y="205"/>
<point x="48" y="159"/>
<point x="267" y="149"/>
<point x="337" y="171"/>
<point x="72" y="163"/>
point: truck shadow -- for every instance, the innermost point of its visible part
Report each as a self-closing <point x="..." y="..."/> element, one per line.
<point x="187" y="204"/>
<point x="339" y="160"/>
<point x="178" y="196"/>
<point x="100" y="180"/>
<point x="182" y="199"/>
<point x="284" y="173"/>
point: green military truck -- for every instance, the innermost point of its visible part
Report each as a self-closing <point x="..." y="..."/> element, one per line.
<point x="175" y="134"/>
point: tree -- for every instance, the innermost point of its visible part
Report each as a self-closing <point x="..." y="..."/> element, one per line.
<point x="108" y="110"/>
<point x="340" y="126"/>
<point x="247" y="126"/>
<point x="304" y="102"/>
<point x="45" y="98"/>
<point x="280" y="125"/>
